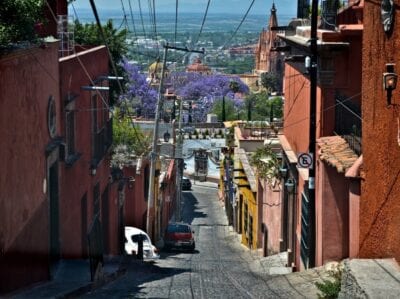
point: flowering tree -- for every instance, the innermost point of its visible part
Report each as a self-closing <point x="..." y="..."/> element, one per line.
<point x="207" y="90"/>
<point x="142" y="96"/>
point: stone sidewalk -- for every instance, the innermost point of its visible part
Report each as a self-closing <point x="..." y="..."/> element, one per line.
<point x="72" y="278"/>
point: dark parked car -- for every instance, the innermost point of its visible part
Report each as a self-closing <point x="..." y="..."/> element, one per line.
<point x="179" y="235"/>
<point x="186" y="183"/>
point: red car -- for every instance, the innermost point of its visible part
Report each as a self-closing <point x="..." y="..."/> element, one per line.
<point x="179" y="235"/>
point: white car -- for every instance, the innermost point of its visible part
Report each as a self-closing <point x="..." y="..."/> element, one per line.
<point x="132" y="236"/>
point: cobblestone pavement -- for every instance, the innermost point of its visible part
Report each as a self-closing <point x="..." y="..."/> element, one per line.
<point x="219" y="268"/>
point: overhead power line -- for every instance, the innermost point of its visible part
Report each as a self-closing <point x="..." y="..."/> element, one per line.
<point x="105" y="42"/>
<point x="202" y="23"/>
<point x="241" y="22"/>
<point x="132" y="19"/>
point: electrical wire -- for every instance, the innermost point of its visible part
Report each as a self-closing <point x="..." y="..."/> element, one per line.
<point x="79" y="60"/>
<point x="176" y="21"/>
<point x="176" y="25"/>
<point x="241" y="22"/>
<point x="132" y="19"/>
<point x="202" y="23"/>
<point x="180" y="57"/>
<point x="105" y="42"/>
<point x="141" y="19"/>
<point x="124" y="21"/>
<point x="152" y="18"/>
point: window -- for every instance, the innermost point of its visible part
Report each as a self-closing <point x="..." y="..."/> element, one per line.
<point x="94" y="113"/>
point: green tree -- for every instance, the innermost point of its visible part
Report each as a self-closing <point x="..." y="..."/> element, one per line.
<point x="125" y="134"/>
<point x="269" y="81"/>
<point x="229" y="110"/>
<point x="267" y="163"/>
<point x="89" y="34"/>
<point x="18" y="19"/>
<point x="259" y="106"/>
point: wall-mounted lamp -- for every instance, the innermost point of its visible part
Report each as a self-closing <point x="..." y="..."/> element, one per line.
<point x="307" y="62"/>
<point x="389" y="82"/>
<point x="283" y="171"/>
<point x="289" y="185"/>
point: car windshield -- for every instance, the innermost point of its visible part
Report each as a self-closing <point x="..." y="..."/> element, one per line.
<point x="178" y="228"/>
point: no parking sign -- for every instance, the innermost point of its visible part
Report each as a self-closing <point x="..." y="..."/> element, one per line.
<point x="304" y="160"/>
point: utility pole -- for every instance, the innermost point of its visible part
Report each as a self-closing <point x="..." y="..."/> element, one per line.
<point x="179" y="159"/>
<point x="313" y="129"/>
<point x="153" y="153"/>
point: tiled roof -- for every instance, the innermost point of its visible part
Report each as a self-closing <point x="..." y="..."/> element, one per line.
<point x="335" y="151"/>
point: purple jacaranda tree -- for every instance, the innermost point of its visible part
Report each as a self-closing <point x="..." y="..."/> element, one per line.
<point x="139" y="89"/>
<point x="207" y="89"/>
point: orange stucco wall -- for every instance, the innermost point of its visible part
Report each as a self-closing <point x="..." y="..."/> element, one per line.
<point x="380" y="193"/>
<point x="28" y="78"/>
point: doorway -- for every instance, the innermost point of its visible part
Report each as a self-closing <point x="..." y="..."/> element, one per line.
<point x="54" y="217"/>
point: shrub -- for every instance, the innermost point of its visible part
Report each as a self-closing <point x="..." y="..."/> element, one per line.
<point x="330" y="288"/>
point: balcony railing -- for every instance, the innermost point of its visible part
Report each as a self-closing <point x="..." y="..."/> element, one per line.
<point x="348" y="123"/>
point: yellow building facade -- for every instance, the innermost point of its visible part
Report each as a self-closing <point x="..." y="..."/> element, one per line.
<point x="246" y="199"/>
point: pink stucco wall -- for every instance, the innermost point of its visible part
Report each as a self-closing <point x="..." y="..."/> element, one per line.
<point x="77" y="180"/>
<point x="334" y="203"/>
<point x="272" y="214"/>
<point x="28" y="78"/>
<point x="135" y="201"/>
<point x="296" y="108"/>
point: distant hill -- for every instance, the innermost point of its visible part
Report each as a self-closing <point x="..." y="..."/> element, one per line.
<point x="187" y="22"/>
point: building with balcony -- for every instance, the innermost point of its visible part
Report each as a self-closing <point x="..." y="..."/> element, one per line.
<point x="57" y="199"/>
<point x="318" y="232"/>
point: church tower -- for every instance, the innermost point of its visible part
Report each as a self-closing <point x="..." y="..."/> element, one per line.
<point x="266" y="58"/>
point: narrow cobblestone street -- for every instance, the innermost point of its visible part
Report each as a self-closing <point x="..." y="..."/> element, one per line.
<point x="220" y="267"/>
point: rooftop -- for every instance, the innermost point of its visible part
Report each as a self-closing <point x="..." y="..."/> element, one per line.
<point x="336" y="152"/>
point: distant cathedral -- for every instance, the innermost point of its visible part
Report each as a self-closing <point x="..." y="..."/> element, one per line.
<point x="267" y="59"/>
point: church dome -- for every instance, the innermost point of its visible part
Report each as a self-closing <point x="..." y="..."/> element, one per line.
<point x="155" y="67"/>
<point x="198" y="66"/>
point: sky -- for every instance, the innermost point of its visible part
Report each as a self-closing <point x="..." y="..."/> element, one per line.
<point x="284" y="7"/>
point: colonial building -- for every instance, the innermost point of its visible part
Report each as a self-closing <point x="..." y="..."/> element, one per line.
<point x="198" y="67"/>
<point x="268" y="59"/>
<point x="57" y="200"/>
<point x="318" y="232"/>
